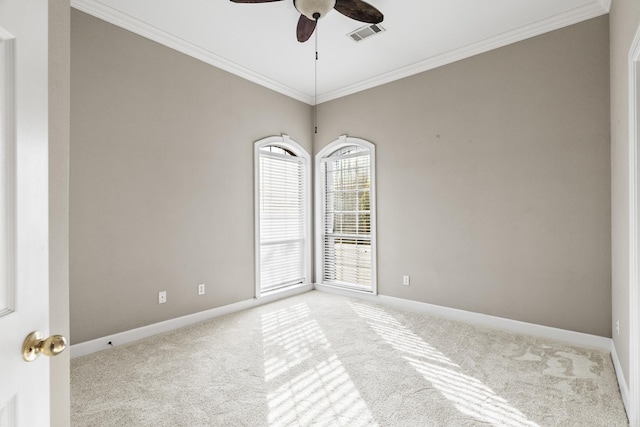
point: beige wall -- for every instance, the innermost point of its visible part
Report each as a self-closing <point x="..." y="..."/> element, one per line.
<point x="625" y="19"/>
<point x="493" y="179"/>
<point x="59" y="31"/>
<point x="161" y="179"/>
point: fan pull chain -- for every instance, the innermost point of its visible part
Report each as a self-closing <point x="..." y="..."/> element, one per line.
<point x="315" y="91"/>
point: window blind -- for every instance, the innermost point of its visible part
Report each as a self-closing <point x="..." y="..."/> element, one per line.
<point x="346" y="242"/>
<point x="282" y="220"/>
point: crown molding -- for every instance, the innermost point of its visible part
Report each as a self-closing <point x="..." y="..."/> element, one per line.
<point x="573" y="16"/>
<point x="151" y="32"/>
<point x="606" y="4"/>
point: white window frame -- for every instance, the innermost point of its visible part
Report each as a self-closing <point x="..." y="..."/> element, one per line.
<point x="342" y="142"/>
<point x="285" y="142"/>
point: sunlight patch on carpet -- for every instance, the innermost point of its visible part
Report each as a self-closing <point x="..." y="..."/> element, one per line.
<point x="301" y="390"/>
<point x="469" y="395"/>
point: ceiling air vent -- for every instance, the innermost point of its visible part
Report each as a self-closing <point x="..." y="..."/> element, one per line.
<point x="366" y="31"/>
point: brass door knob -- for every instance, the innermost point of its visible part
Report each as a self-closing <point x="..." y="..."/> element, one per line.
<point x="35" y="344"/>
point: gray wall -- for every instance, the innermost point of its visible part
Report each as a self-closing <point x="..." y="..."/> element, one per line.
<point x="493" y="179"/>
<point x="161" y="179"/>
<point x="59" y="32"/>
<point x="625" y="18"/>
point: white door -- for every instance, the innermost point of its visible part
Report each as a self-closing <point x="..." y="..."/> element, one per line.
<point x="24" y="307"/>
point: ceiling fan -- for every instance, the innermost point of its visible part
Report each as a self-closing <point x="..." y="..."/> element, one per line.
<point x="312" y="10"/>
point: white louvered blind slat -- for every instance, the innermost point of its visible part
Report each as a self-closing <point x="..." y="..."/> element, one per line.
<point x="347" y="257"/>
<point x="282" y="220"/>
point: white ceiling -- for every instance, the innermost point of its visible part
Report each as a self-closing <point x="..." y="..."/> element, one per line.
<point x="258" y="41"/>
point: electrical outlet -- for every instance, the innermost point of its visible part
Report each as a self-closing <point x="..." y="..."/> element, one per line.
<point x="618" y="326"/>
<point x="162" y="297"/>
<point x="201" y="289"/>
<point x="406" y="280"/>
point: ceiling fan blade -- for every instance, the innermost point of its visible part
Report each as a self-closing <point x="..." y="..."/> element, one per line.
<point x="306" y="27"/>
<point x="359" y="10"/>
<point x="253" y="1"/>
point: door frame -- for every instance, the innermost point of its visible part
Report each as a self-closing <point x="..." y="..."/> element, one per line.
<point x="59" y="143"/>
<point x="634" y="220"/>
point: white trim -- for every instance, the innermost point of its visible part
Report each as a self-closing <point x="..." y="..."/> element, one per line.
<point x="605" y="4"/>
<point x="576" y="338"/>
<point x="561" y="20"/>
<point x="285" y="142"/>
<point x="634" y="292"/>
<point x="570" y="337"/>
<point x="8" y="168"/>
<point x="581" y="13"/>
<point x="99" y="344"/>
<point x="344" y="141"/>
<point x="622" y="382"/>
<point x="8" y="418"/>
<point x="151" y="32"/>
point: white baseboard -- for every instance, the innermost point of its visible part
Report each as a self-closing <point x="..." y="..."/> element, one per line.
<point x="104" y="343"/>
<point x="570" y="337"/>
<point x="622" y="382"/>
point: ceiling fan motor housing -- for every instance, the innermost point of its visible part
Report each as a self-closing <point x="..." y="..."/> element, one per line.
<point x="314" y="9"/>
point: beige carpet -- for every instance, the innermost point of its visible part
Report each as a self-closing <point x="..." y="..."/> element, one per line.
<point x="325" y="360"/>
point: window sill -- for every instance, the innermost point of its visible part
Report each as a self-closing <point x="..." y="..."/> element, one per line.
<point x="282" y="292"/>
<point x="346" y="289"/>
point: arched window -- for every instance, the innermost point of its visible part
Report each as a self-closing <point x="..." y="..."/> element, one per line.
<point x="345" y="215"/>
<point x="282" y="203"/>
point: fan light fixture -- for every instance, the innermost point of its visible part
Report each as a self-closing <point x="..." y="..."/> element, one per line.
<point x="314" y="9"/>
